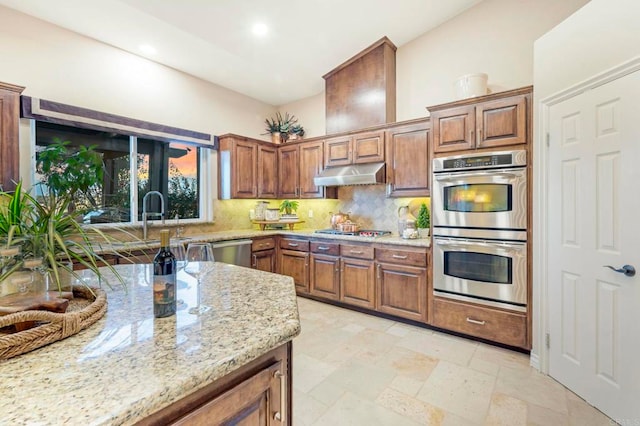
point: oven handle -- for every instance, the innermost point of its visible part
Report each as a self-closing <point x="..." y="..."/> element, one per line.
<point x="511" y="245"/>
<point x="508" y="173"/>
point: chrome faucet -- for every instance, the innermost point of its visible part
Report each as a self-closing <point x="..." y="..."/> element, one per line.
<point x="145" y="214"/>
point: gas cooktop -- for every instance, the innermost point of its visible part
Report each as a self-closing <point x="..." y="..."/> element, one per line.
<point x="361" y="233"/>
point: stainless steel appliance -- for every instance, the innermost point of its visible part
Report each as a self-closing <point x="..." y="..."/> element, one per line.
<point x="487" y="190"/>
<point x="479" y="205"/>
<point x="483" y="270"/>
<point x="361" y="233"/>
<point x="234" y="252"/>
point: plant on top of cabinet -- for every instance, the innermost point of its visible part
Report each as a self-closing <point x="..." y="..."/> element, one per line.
<point x="281" y="127"/>
<point x="296" y="132"/>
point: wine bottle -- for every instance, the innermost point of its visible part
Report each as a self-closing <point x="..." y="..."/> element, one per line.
<point x="164" y="279"/>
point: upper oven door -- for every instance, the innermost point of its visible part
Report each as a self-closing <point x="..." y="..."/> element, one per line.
<point x="494" y="199"/>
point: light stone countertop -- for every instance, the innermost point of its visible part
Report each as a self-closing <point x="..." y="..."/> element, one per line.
<point x="130" y="364"/>
<point x="254" y="233"/>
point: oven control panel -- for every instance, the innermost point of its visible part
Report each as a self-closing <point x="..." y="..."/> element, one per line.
<point x="480" y="161"/>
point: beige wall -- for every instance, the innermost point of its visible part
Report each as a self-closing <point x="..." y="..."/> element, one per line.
<point x="310" y="113"/>
<point x="495" y="37"/>
<point x="61" y="65"/>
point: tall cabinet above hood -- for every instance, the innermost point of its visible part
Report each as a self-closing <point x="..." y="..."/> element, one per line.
<point x="355" y="174"/>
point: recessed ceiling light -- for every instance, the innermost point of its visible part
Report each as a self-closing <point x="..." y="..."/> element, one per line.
<point x="147" y="49"/>
<point x="260" y="29"/>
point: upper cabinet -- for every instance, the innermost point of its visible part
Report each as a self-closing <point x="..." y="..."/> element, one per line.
<point x="9" y="144"/>
<point x="490" y="121"/>
<point x="359" y="148"/>
<point x="248" y="168"/>
<point x="298" y="165"/>
<point x="408" y="161"/>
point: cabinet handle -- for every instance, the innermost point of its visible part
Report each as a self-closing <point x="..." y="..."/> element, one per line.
<point x="356" y="252"/>
<point x="293" y="245"/>
<point x="379" y="269"/>
<point x="255" y="261"/>
<point x="280" y="415"/>
<point x="472" y="321"/>
<point x="397" y="256"/>
<point x="389" y="185"/>
<point x="323" y="248"/>
<point x="479" y="134"/>
<point x="471" y="135"/>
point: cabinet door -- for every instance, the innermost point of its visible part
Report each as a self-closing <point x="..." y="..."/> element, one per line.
<point x="402" y="291"/>
<point x="296" y="265"/>
<point x="244" y="179"/>
<point x="368" y="147"/>
<point x="9" y="144"/>
<point x="288" y="166"/>
<point x="337" y="151"/>
<point x="255" y="401"/>
<point x="408" y="163"/>
<point x="357" y="281"/>
<point x="502" y="122"/>
<point x="454" y="129"/>
<point x="325" y="276"/>
<point x="311" y="164"/>
<point x="264" y="260"/>
<point x="267" y="172"/>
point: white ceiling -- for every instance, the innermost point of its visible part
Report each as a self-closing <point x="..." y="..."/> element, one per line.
<point x="213" y="39"/>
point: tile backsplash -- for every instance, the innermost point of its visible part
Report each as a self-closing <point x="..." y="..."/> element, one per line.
<point x="368" y="205"/>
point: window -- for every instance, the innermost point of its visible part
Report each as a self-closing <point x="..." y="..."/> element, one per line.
<point x="172" y="168"/>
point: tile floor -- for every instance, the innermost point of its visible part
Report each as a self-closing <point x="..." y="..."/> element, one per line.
<point x="356" y="369"/>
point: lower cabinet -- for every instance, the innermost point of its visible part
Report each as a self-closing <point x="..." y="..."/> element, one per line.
<point x="256" y="394"/>
<point x="357" y="277"/>
<point x="402" y="291"/>
<point x="293" y="261"/>
<point x="325" y="276"/>
<point x="488" y="323"/>
<point x="263" y="254"/>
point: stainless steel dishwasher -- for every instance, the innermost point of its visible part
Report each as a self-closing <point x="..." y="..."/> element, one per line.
<point x="234" y="252"/>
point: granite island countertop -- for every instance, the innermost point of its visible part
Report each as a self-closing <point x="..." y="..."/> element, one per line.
<point x="130" y="364"/>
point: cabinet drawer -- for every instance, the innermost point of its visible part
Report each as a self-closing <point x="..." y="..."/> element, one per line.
<point x="403" y="257"/>
<point x="293" y="244"/>
<point x="509" y="328"/>
<point x="359" y="252"/>
<point x="325" y="248"/>
<point x="263" y="244"/>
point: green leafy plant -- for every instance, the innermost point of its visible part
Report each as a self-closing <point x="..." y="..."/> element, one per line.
<point x="283" y="125"/>
<point x="423" y="219"/>
<point x="43" y="229"/>
<point x="297" y="130"/>
<point x="68" y="172"/>
<point x="289" y="206"/>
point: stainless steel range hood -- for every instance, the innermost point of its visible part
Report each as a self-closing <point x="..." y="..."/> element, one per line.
<point x="357" y="174"/>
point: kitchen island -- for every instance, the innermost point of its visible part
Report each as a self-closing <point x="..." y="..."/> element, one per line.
<point x="130" y="365"/>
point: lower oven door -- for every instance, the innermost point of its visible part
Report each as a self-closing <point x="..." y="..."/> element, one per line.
<point x="487" y="271"/>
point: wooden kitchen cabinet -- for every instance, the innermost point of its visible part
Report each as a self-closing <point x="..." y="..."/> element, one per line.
<point x="489" y="323"/>
<point x="491" y="121"/>
<point x="293" y="261"/>
<point x="401" y="283"/>
<point x="325" y="276"/>
<point x="9" y="140"/>
<point x="298" y="165"/>
<point x="263" y="254"/>
<point x="408" y="160"/>
<point x="248" y="168"/>
<point x="267" y="175"/>
<point x="358" y="148"/>
<point x="256" y="394"/>
<point x="357" y="278"/>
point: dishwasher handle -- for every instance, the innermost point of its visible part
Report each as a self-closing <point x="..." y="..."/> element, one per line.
<point x="231" y="243"/>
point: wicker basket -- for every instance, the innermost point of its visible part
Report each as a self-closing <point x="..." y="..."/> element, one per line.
<point x="84" y="310"/>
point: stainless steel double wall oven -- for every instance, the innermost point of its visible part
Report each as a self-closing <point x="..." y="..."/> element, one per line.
<point x="479" y="206"/>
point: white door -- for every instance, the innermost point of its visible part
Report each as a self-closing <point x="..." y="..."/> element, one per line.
<point x="594" y="220"/>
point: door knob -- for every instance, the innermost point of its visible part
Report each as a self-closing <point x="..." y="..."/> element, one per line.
<point x="627" y="270"/>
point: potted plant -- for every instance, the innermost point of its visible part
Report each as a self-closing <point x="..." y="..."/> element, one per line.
<point x="288" y="207"/>
<point x="280" y="127"/>
<point x="273" y="128"/>
<point x="296" y="132"/>
<point x="423" y="222"/>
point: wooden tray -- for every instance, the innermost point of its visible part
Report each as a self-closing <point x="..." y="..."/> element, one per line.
<point x="264" y="223"/>
<point x="87" y="307"/>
